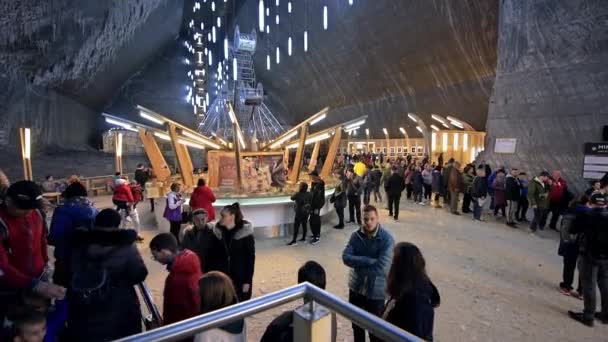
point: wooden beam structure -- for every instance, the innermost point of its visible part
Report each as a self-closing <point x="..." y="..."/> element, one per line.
<point x="331" y="154"/>
<point x="297" y="163"/>
<point x="182" y="155"/>
<point x="313" y="158"/>
<point x="157" y="160"/>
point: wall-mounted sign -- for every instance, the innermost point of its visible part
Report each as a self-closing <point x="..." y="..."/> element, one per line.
<point x="595" y="164"/>
<point x="505" y="145"/>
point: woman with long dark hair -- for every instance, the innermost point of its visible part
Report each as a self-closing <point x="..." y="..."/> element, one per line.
<point x="232" y="249"/>
<point x="217" y="292"/>
<point x="412" y="295"/>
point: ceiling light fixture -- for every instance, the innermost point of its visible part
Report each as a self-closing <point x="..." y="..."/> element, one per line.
<point x="317" y="119"/>
<point x="261" y="15"/>
<point x="412" y="117"/>
<point x="435" y="128"/>
<point x="325" y="17"/>
<point x="151" y="118"/>
<point x="162" y="136"/>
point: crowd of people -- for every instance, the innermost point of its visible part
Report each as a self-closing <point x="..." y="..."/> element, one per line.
<point x="87" y="292"/>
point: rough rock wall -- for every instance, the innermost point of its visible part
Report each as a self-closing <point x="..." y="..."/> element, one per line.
<point x="551" y="89"/>
<point x="61" y="60"/>
<point x="383" y="58"/>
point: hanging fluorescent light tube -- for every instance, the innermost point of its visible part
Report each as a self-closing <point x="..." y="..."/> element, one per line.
<point x="212" y="6"/>
<point x="446" y="126"/>
<point x="219" y="22"/>
<point x="213" y="35"/>
<point x="162" y="136"/>
<point x="289" y="46"/>
<point x="261" y="16"/>
<point x="354" y="124"/>
<point x="267" y="28"/>
<point x="305" y="41"/>
<point x="317" y="119"/>
<point x="197" y="138"/>
<point x="267" y="62"/>
<point x="312" y="140"/>
<point x="366" y="131"/>
<point x="419" y="129"/>
<point x="191" y="144"/>
<point x="402" y="130"/>
<point x="118" y="144"/>
<point x="457" y="124"/>
<point x="385" y="131"/>
<point x="438" y="118"/>
<point x="151" y="118"/>
<point x="325" y="17"/>
<point x="411" y="116"/>
<point x="277" y="19"/>
<point x="435" y="128"/>
<point x="354" y="129"/>
<point x="210" y="55"/>
<point x="289" y="7"/>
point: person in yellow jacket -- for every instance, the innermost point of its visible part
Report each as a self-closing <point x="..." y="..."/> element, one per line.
<point x="360" y="168"/>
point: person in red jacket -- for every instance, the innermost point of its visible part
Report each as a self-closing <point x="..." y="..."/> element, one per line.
<point x="123" y="197"/>
<point x="556" y="198"/>
<point x="181" y="296"/>
<point x="23" y="246"/>
<point x="203" y="197"/>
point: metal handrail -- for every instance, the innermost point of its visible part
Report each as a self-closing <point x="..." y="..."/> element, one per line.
<point x="147" y="296"/>
<point x="215" y="319"/>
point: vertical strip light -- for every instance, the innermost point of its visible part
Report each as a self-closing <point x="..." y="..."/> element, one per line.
<point x="434" y="141"/>
<point x="289" y="7"/>
<point x="444" y="142"/>
<point x="210" y="58"/>
<point x="267" y="62"/>
<point x="289" y="46"/>
<point x="27" y="149"/>
<point x="226" y="48"/>
<point x="219" y="22"/>
<point x="261" y="16"/>
<point x="325" y="17"/>
<point x="235" y="72"/>
<point x="305" y="41"/>
<point x="455" y="141"/>
<point x="278" y="55"/>
<point x="465" y="142"/>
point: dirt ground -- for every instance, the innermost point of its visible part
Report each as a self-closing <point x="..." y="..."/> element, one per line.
<point x="496" y="283"/>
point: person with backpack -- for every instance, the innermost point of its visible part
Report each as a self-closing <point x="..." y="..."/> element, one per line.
<point x="317" y="189"/>
<point x="23" y="246"/>
<point x="232" y="250"/>
<point x="302" y="206"/>
<point x="197" y="237"/>
<point x="105" y="267"/>
<point x="338" y="198"/>
<point x="180" y="296"/>
<point x="76" y="212"/>
<point x="593" y="266"/>
<point x="569" y="246"/>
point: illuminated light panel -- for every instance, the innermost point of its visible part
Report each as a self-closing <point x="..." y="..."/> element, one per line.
<point x="226" y="48"/>
<point x="419" y="129"/>
<point x="402" y="130"/>
<point x="27" y="149"/>
<point x="278" y="55"/>
<point x="354" y="124"/>
<point x="213" y="35"/>
<point x="385" y="131"/>
<point x="409" y="115"/>
<point x="289" y="46"/>
<point x="197" y="138"/>
<point x="150" y="118"/>
<point x="210" y="55"/>
<point x="435" y="128"/>
<point x="325" y="17"/>
<point x="162" y="136"/>
<point x="289" y="7"/>
<point x="465" y="142"/>
<point x="119" y="123"/>
<point x="311" y="140"/>
<point x="267" y="28"/>
<point x="276" y="19"/>
<point x="305" y="41"/>
<point x="457" y="124"/>
<point x="219" y="22"/>
<point x="191" y="144"/>
<point x="446" y="126"/>
<point x="212" y="6"/>
<point x="444" y="142"/>
<point x="284" y="139"/>
<point x="316" y="120"/>
<point x="455" y="141"/>
<point x="267" y="62"/>
<point x="235" y="72"/>
<point x="366" y="131"/>
<point x="434" y="140"/>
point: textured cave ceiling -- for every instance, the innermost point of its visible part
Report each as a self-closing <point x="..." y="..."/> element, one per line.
<point x="382" y="58"/>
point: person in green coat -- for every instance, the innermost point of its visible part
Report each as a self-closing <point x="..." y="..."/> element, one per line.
<point x="538" y="196"/>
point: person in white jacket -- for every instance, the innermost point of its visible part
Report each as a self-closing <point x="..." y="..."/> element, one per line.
<point x="217" y="292"/>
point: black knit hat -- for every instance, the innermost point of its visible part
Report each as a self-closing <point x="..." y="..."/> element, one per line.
<point x="25" y="195"/>
<point x="75" y="190"/>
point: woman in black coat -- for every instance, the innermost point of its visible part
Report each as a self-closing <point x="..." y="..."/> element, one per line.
<point x="412" y="295"/>
<point x="105" y="257"/>
<point x="232" y="250"/>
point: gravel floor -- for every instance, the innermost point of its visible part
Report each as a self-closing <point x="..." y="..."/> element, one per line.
<point x="496" y="283"/>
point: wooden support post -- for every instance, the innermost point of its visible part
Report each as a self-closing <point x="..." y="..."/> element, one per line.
<point x="26" y="152"/>
<point x="118" y="152"/>
<point x="331" y="154"/>
<point x="237" y="155"/>
<point x="297" y="163"/>
<point x="183" y="158"/>
<point x="157" y="160"/>
<point x="313" y="158"/>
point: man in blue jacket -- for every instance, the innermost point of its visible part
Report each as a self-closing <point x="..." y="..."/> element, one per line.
<point x="368" y="254"/>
